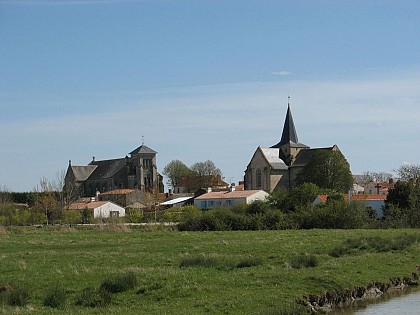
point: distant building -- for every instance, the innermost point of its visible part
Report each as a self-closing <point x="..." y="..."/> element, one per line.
<point x="127" y="198"/>
<point x="100" y="209"/>
<point x="137" y="171"/>
<point x="277" y="166"/>
<point x="379" y="187"/>
<point x="374" y="201"/>
<point x="229" y="198"/>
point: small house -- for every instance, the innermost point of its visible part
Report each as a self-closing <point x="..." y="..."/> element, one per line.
<point x="101" y="209"/>
<point x="229" y="198"/>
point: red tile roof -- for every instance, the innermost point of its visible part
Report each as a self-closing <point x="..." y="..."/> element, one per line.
<point x="118" y="192"/>
<point x="227" y="194"/>
<point x="323" y="198"/>
<point x="86" y="205"/>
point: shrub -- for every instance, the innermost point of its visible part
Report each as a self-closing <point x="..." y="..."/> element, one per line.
<point x="375" y="244"/>
<point x="55" y="297"/>
<point x="249" y="262"/>
<point x="200" y="261"/>
<point x="18" y="295"/>
<point x="120" y="282"/>
<point x="93" y="298"/>
<point x="304" y="261"/>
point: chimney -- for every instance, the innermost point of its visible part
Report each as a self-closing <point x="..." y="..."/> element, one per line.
<point x="93" y="159"/>
<point x="232" y="187"/>
<point x="209" y="189"/>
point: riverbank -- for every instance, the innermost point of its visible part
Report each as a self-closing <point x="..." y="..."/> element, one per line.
<point x="243" y="272"/>
<point x="329" y="301"/>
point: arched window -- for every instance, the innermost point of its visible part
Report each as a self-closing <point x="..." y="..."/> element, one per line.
<point x="258" y="180"/>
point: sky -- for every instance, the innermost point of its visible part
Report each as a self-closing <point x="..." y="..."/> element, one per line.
<point x="205" y="80"/>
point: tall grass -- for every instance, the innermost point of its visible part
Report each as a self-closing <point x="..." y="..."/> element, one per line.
<point x="55" y="296"/>
<point x="373" y="244"/>
<point x="303" y="261"/>
<point x="119" y="282"/>
<point x="17" y="295"/>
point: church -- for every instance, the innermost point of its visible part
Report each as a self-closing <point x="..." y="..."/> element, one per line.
<point x="276" y="167"/>
<point x="137" y="171"/>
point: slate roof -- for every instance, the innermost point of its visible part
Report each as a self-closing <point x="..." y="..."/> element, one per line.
<point x="272" y="157"/>
<point x="289" y="134"/>
<point x="81" y="173"/>
<point x="143" y="149"/>
<point x="107" y="168"/>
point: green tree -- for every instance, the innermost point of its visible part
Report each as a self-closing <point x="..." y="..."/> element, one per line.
<point x="327" y="169"/>
<point x="400" y="194"/>
<point x="175" y="171"/>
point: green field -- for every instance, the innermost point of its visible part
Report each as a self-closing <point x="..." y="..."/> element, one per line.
<point x="245" y="272"/>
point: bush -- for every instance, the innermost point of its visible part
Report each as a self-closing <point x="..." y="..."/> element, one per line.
<point x="201" y="261"/>
<point x="249" y="262"/>
<point x="120" y="282"/>
<point x="71" y="217"/>
<point x="18" y="295"/>
<point x="93" y="298"/>
<point x="55" y="297"/>
<point x="304" y="261"/>
<point x="133" y="215"/>
<point x="375" y="244"/>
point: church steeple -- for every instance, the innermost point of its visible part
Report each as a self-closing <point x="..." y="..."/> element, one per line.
<point x="289" y="144"/>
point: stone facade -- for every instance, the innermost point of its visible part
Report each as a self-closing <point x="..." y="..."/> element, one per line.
<point x="137" y="171"/>
<point x="276" y="167"/>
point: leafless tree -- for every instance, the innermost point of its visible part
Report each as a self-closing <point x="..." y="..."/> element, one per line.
<point x="368" y="177"/>
<point x="409" y="172"/>
<point x="5" y="195"/>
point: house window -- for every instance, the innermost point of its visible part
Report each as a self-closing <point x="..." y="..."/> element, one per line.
<point x="114" y="214"/>
<point x="203" y="205"/>
<point x="258" y="178"/>
<point x="211" y="203"/>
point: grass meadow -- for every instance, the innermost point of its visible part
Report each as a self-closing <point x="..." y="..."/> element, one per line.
<point x="171" y="272"/>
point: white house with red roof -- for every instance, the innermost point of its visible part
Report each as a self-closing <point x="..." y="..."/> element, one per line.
<point x="101" y="209"/>
<point x="374" y="201"/>
<point x="229" y="198"/>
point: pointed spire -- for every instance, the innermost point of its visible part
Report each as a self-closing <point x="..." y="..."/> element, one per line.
<point x="289" y="134"/>
<point x="289" y="131"/>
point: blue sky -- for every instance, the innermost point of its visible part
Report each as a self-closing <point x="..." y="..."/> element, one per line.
<point x="205" y="79"/>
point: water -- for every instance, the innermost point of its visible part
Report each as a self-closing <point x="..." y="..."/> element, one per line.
<point x="406" y="302"/>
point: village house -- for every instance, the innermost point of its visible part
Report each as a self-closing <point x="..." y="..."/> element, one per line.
<point x="275" y="167"/>
<point x="229" y="198"/>
<point x="100" y="209"/>
<point x="379" y="187"/>
<point x="374" y="201"/>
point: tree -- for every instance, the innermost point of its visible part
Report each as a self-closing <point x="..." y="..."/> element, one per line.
<point x="206" y="174"/>
<point x="407" y="172"/>
<point x="175" y="171"/>
<point x="47" y="200"/>
<point x="327" y="169"/>
<point x="5" y="195"/>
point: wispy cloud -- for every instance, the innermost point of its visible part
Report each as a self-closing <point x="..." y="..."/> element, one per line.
<point x="367" y="119"/>
<point x="281" y="73"/>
